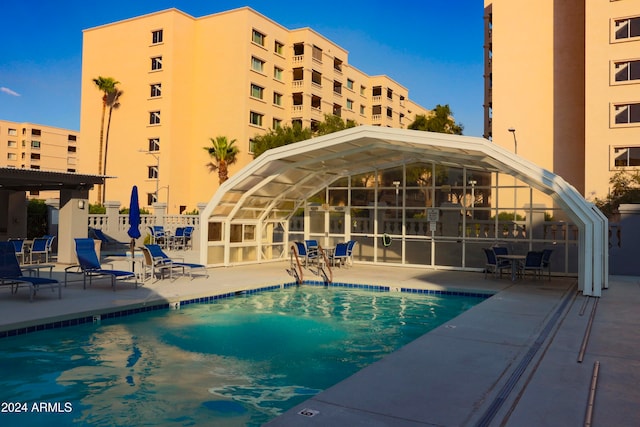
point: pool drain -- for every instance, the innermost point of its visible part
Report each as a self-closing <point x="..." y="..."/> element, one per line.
<point x="308" y="412"/>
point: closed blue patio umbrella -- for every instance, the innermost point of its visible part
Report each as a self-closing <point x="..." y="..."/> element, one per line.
<point x="134" y="219"/>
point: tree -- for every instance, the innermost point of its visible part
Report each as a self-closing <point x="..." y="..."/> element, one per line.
<point x="282" y="135"/>
<point x="106" y="85"/>
<point x="440" y="120"/>
<point x="625" y="188"/>
<point x="223" y="154"/>
<point x="113" y="102"/>
<point x="333" y="123"/>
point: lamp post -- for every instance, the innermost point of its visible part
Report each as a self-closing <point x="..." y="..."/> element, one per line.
<point x="515" y="189"/>
<point x="157" y="157"/>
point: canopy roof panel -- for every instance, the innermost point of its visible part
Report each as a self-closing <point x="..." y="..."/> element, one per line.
<point x="41" y="180"/>
<point x="297" y="171"/>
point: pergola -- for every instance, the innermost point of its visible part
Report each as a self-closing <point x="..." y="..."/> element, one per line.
<point x="281" y="181"/>
<point x="73" y="188"/>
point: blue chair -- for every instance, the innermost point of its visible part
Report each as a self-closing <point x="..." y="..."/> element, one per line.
<point x="11" y="274"/>
<point x="188" y="232"/>
<point x="159" y="235"/>
<point x="304" y="255"/>
<point x="159" y="256"/>
<point x="350" y="245"/>
<point x="312" y="247"/>
<point x="493" y="265"/>
<point x="89" y="266"/>
<point x="18" y="245"/>
<point x="177" y="241"/>
<point x="532" y="262"/>
<point x="39" y="247"/>
<point x="340" y="254"/>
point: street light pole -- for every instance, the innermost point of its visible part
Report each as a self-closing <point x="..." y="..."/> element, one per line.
<point x="397" y="184"/>
<point x="515" y="189"/>
<point x="157" y="157"/>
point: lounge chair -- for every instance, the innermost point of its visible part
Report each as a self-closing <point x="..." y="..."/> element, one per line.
<point x="89" y="266"/>
<point x="39" y="248"/>
<point x="546" y="261"/>
<point x="158" y="255"/>
<point x="340" y="254"/>
<point x="11" y="274"/>
<point x="98" y="234"/>
<point x="350" y="245"/>
<point x="18" y="245"/>
<point x="157" y="267"/>
<point x="493" y="265"/>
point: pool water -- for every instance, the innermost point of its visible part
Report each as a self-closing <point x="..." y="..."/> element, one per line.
<point x="238" y="361"/>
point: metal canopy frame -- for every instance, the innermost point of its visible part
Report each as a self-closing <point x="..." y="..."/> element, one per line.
<point x="295" y="172"/>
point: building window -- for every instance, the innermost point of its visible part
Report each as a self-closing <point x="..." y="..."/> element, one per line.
<point x="390" y="93"/>
<point x="277" y="73"/>
<point x="12" y="156"/>
<point x="13" y="144"/>
<point x="625" y="156"/>
<point x="363" y="90"/>
<point x="627" y="70"/>
<point x="337" y="110"/>
<point x="71" y="170"/>
<point x="278" y="48"/>
<point x="152" y="172"/>
<point x="277" y="98"/>
<point x="298" y="49"/>
<point x="362" y="109"/>
<point x="257" y="91"/>
<point x="36" y="132"/>
<point x="35" y="166"/>
<point x="376" y="91"/>
<point x="154" y="118"/>
<point x="156" y="36"/>
<point x="337" y="87"/>
<point x="257" y="37"/>
<point x="316" y="102"/>
<point x="151" y="198"/>
<point x="349" y="105"/>
<point x="337" y="64"/>
<point x="255" y="118"/>
<point x="35" y="156"/>
<point x="277" y="123"/>
<point x="626" y="113"/>
<point x="156" y="63"/>
<point x="35" y="144"/>
<point x="156" y="90"/>
<point x="257" y="64"/>
<point x="72" y="138"/>
<point x="350" y="84"/>
<point x="316" y="77"/>
<point x="317" y="53"/>
<point x="627" y="28"/>
<point x="154" y="144"/>
<point x="389" y="112"/>
<point x="12" y="132"/>
<point x="71" y="149"/>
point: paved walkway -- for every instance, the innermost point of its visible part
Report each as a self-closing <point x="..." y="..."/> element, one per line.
<point x="511" y="360"/>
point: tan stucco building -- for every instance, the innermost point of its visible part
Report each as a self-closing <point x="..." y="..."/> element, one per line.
<point x="564" y="76"/>
<point x="234" y="74"/>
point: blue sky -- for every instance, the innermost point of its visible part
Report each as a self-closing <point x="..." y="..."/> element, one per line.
<point x="434" y="48"/>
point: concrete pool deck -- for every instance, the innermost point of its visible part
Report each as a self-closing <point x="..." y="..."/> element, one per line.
<point x="511" y="360"/>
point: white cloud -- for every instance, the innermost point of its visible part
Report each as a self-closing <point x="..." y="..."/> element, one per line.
<point x="9" y="91"/>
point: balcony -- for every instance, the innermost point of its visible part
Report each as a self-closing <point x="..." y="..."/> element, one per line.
<point x="296" y="109"/>
<point x="297" y="59"/>
<point x="297" y="84"/>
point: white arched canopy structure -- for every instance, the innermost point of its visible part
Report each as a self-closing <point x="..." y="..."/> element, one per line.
<point x="279" y="184"/>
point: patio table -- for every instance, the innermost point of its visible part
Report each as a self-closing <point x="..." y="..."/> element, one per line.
<point x="515" y="260"/>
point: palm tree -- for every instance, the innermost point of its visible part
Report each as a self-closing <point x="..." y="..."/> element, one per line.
<point x="223" y="154"/>
<point x="113" y="102"/>
<point x="106" y="85"/>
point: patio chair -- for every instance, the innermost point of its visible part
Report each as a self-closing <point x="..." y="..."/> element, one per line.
<point x="89" y="266"/>
<point x="157" y="267"/>
<point x="546" y="261"/>
<point x="158" y="255"/>
<point x="305" y="256"/>
<point x="188" y="234"/>
<point x="350" y="245"/>
<point x="177" y="241"/>
<point x="493" y="265"/>
<point x="39" y="248"/>
<point x="532" y="262"/>
<point x="11" y="274"/>
<point x="312" y="247"/>
<point x="159" y="235"/>
<point x="105" y="240"/>
<point x="340" y="254"/>
<point x="18" y="245"/>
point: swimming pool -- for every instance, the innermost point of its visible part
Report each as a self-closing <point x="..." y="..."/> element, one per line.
<point x="238" y="361"/>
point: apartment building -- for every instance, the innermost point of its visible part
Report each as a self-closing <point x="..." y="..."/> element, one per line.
<point x="235" y="74"/>
<point x="562" y="86"/>
<point x="38" y="147"/>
